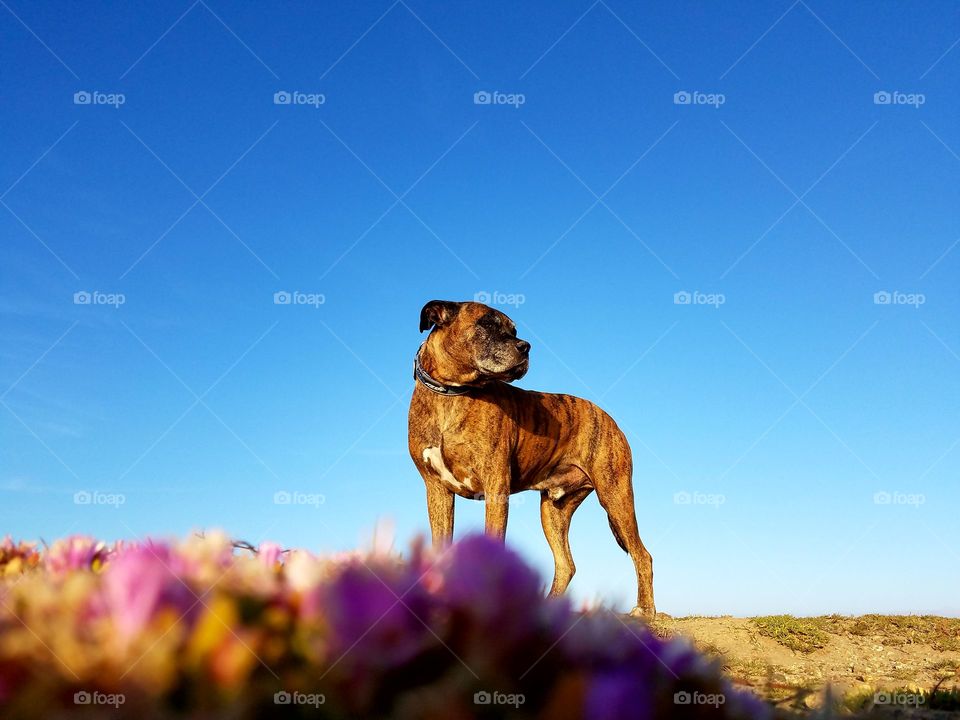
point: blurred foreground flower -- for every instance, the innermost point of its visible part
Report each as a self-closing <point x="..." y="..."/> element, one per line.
<point x="194" y="628"/>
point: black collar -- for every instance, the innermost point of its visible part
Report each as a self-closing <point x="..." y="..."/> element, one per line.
<point x="435" y="385"/>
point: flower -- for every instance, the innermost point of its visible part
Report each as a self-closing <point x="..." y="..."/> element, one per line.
<point x="192" y="625"/>
<point x="139" y="582"/>
<point x="375" y="616"/>
<point x="269" y="554"/>
<point x="481" y="577"/>
<point x="15" y="558"/>
<point x="77" y="552"/>
<point x="619" y="695"/>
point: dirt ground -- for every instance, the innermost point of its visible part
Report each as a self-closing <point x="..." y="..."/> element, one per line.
<point x="875" y="665"/>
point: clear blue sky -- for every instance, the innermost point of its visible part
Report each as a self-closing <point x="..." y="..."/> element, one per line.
<point x="793" y="198"/>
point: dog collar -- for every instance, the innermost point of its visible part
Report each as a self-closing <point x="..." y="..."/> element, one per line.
<point x="435" y="385"/>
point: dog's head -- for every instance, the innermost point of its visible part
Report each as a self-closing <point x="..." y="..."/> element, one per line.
<point x="474" y="343"/>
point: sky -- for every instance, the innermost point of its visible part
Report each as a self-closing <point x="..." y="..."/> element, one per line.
<point x="734" y="226"/>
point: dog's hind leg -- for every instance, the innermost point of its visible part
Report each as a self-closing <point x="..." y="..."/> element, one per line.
<point x="555" y="516"/>
<point x="616" y="497"/>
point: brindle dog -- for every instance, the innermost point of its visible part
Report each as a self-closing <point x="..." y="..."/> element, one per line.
<point x="473" y="434"/>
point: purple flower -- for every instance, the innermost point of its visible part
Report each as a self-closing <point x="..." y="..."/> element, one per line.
<point x="620" y="695"/>
<point x="493" y="586"/>
<point x="374" y="620"/>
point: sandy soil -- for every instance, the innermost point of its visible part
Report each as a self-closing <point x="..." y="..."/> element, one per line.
<point x="857" y="657"/>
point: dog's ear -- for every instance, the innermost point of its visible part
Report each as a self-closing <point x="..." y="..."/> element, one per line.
<point x="437" y="313"/>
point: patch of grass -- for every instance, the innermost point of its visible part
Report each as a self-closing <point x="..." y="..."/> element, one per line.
<point x="710" y="649"/>
<point x="948" y="700"/>
<point x="939" y="632"/>
<point x="835" y="624"/>
<point x="858" y="701"/>
<point x="944" y="700"/>
<point x="662" y="628"/>
<point x="948" y="667"/>
<point x="801" y="634"/>
<point x="753" y="668"/>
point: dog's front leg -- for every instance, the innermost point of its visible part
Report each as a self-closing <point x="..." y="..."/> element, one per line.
<point x="496" y="516"/>
<point x="496" y="505"/>
<point x="440" y="510"/>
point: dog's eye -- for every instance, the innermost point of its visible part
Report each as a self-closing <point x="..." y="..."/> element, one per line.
<point x="487" y="322"/>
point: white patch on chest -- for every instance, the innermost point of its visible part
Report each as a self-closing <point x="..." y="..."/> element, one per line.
<point x="434" y="458"/>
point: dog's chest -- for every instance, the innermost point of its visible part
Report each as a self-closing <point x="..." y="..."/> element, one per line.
<point x="460" y="483"/>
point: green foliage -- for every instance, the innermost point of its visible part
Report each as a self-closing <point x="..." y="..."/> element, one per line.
<point x="801" y="634"/>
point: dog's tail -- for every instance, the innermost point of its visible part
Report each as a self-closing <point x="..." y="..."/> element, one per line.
<point x="616" y="534"/>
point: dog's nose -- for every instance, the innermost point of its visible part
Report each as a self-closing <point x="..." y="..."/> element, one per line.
<point x="523" y="346"/>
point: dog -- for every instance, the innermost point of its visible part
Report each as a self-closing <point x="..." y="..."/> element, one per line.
<point x="473" y="434"/>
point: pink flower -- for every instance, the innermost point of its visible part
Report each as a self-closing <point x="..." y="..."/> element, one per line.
<point x="138" y="583"/>
<point x="77" y="552"/>
<point x="269" y="554"/>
